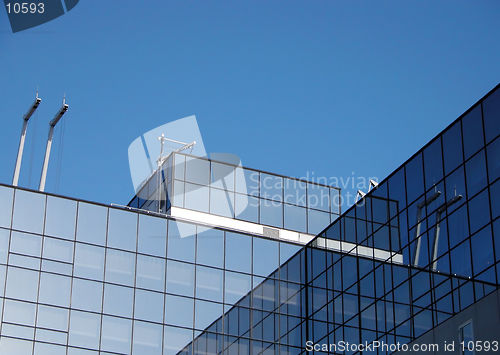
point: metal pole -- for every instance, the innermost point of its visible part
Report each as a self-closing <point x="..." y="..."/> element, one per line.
<point x="26" y="118"/>
<point x="52" y="124"/>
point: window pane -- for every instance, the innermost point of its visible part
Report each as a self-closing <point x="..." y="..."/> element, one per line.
<point x="181" y="241"/>
<point x="206" y="313"/>
<point x="236" y="286"/>
<point x="122" y="230"/>
<point x="92" y="222"/>
<point x="482" y="250"/>
<point x="149" y="306"/>
<point x="265" y="256"/>
<point x="317" y="221"/>
<point x="120" y="267"/>
<point x="247" y="208"/>
<point x="414" y="178"/>
<point x="180" y="278"/>
<point x="87" y="295"/>
<point x="493" y="152"/>
<point x="150" y="273"/>
<point x="179" y="168"/>
<point x="221" y="203"/>
<point x="210" y="247"/>
<point x="247" y="182"/>
<point x="491" y="112"/>
<point x="49" y="349"/>
<point x="116" y="334"/>
<point x="147" y="338"/>
<point x="175" y="339"/>
<point x="295" y="218"/>
<point x="433" y="163"/>
<point x="10" y="346"/>
<point x="54" y="290"/>
<point x="84" y="329"/>
<point x="472" y="125"/>
<point x="33" y="202"/>
<point x="479" y="211"/>
<point x="152" y="235"/>
<point x="238" y="252"/>
<point x="318" y="197"/>
<point x="56" y="249"/>
<point x="89" y="262"/>
<point x="223" y="176"/>
<point x="295" y="192"/>
<point x="475" y="170"/>
<point x="60" y="220"/>
<point x="26" y="290"/>
<point x="452" y="148"/>
<point x="6" y="196"/>
<point x="196" y="197"/>
<point x="19" y="313"/>
<point x="27" y="244"/>
<point x="179" y="311"/>
<point x="118" y="300"/>
<point x="209" y="283"/>
<point x="52" y="317"/>
<point x="271" y="213"/>
<point x="4" y="245"/>
<point x="271" y="187"/>
<point x="197" y="170"/>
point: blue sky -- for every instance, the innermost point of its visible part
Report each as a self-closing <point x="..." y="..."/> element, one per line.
<point x="338" y="89"/>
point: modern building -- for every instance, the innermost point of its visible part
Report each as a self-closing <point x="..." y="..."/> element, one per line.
<point x="248" y="262"/>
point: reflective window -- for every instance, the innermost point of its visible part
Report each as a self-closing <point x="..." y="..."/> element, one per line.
<point x="149" y="306"/>
<point x="179" y="168"/>
<point x="271" y="187"/>
<point x="479" y="211"/>
<point x="33" y="202"/>
<point x="4" y="245"/>
<point x="152" y="235"/>
<point x="295" y="192"/>
<point x="336" y="201"/>
<point x="452" y="148"/>
<point x="475" y="170"/>
<point x="318" y="197"/>
<point x="491" y="113"/>
<point x="49" y="349"/>
<point x="247" y="208"/>
<point x="26" y="290"/>
<point x="118" y="300"/>
<point x="196" y="197"/>
<point x="236" y="286"/>
<point x="56" y="249"/>
<point x="180" y="278"/>
<point x="122" y="229"/>
<point x="223" y="176"/>
<point x="181" y="241"/>
<point x="89" y="262"/>
<point x="175" y="339"/>
<point x="84" y="329"/>
<point x="482" y="251"/>
<point x="147" y="338"/>
<point x="179" y="311"/>
<point x="210" y="247"/>
<point x="495" y="202"/>
<point x="472" y="125"/>
<point x="455" y="185"/>
<point x="433" y="164"/>
<point x="120" y="267"/>
<point x="271" y="213"/>
<point x="52" y="317"/>
<point x="238" y="254"/>
<point x="178" y="194"/>
<point x="92" y="222"/>
<point x="209" y="283"/>
<point x="116" y="334"/>
<point x="247" y="182"/>
<point x="206" y="313"/>
<point x="221" y="203"/>
<point x="493" y="152"/>
<point x="10" y="346"/>
<point x="6" y="196"/>
<point x="60" y="220"/>
<point x="461" y="260"/>
<point x="24" y="243"/>
<point x="295" y="218"/>
<point x="197" y="170"/>
<point x="317" y="221"/>
<point x="414" y="178"/>
<point x="150" y="273"/>
<point x="19" y="313"/>
<point x="87" y="295"/>
<point x="54" y="289"/>
<point x="265" y="256"/>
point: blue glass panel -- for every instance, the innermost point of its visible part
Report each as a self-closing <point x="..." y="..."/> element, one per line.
<point x="197" y="170"/>
<point x="414" y="178"/>
<point x="89" y="262"/>
<point x="118" y="300"/>
<point x="221" y="203"/>
<point x="247" y="182"/>
<point x="209" y="283"/>
<point x="479" y="211"/>
<point x="92" y="222"/>
<point x="318" y="197"/>
<point x="238" y="253"/>
<point x="397" y="190"/>
<point x="491" y="112"/>
<point x="210" y="247"/>
<point x="116" y="334"/>
<point x="482" y="250"/>
<point x="122" y="229"/>
<point x="206" y="313"/>
<point x="455" y="185"/>
<point x="120" y="267"/>
<point x="150" y="273"/>
<point x="493" y="153"/>
<point x="149" y="306"/>
<point x="87" y="295"/>
<point x="33" y="202"/>
<point x="452" y="148"/>
<point x="152" y="238"/>
<point x="472" y="125"/>
<point x="84" y="329"/>
<point x="236" y="286"/>
<point x="461" y="260"/>
<point x="180" y="278"/>
<point x="317" y="221"/>
<point x="295" y="192"/>
<point x="60" y="219"/>
<point x="271" y="187"/>
<point x="179" y="311"/>
<point x="247" y="208"/>
<point x="433" y="164"/>
<point x="295" y="218"/>
<point x="175" y="339"/>
<point x="265" y="256"/>
<point x="181" y="241"/>
<point x="147" y="338"/>
<point x="475" y="170"/>
<point x="196" y="197"/>
<point x="54" y="290"/>
<point x="271" y="213"/>
<point x="6" y="197"/>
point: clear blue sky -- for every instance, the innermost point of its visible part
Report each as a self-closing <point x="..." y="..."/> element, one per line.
<point x="292" y="87"/>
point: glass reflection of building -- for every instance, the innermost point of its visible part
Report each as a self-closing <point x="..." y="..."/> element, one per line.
<point x="418" y="258"/>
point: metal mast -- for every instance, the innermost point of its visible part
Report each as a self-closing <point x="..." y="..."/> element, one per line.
<point x="26" y="118"/>
<point x="52" y="124"/>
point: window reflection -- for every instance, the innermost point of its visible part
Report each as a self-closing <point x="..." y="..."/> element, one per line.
<point x="84" y="329"/>
<point x="87" y="295"/>
<point x="89" y="262"/>
<point x="152" y="235"/>
<point x="122" y="229"/>
<point x="6" y="197"/>
<point x="179" y="311"/>
<point x="28" y="201"/>
<point x="265" y="256"/>
<point x="210" y="247"/>
<point x="116" y="334"/>
<point x="92" y="223"/>
<point x="238" y="252"/>
<point x="209" y="283"/>
<point x="180" y="278"/>
<point x="149" y="306"/>
<point x="120" y="267"/>
<point x="60" y="219"/>
<point x="147" y="338"/>
<point x="150" y="273"/>
<point x="181" y="241"/>
<point x="118" y="300"/>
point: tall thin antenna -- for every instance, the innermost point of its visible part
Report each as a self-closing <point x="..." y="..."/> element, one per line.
<point x="26" y="118"/>
<point x="52" y="124"/>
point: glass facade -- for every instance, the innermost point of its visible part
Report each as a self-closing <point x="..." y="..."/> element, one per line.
<point x="232" y="191"/>
<point x="82" y="278"/>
